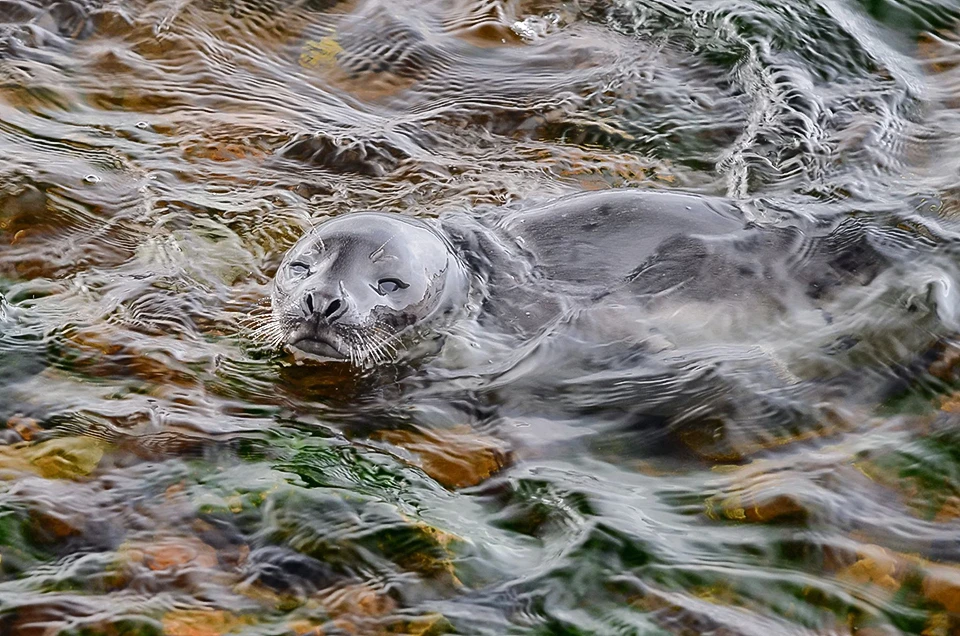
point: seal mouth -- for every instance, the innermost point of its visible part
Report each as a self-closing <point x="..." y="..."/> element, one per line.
<point x="318" y="347"/>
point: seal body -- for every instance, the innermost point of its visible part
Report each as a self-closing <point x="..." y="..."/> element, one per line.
<point x="661" y="314"/>
<point x="366" y="287"/>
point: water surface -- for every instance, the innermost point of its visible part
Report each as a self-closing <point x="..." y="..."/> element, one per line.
<point x="164" y="473"/>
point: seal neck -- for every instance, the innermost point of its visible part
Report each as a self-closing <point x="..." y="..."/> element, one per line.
<point x="484" y="255"/>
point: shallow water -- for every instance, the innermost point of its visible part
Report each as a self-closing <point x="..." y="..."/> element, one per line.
<point x="163" y="472"/>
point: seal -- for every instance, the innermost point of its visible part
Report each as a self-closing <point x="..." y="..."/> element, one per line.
<point x="667" y="316"/>
<point x="368" y="287"/>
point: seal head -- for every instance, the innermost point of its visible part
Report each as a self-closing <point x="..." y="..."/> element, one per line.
<point x="356" y="286"/>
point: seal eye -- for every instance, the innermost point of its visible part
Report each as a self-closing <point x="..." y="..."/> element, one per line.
<point x="390" y="285"/>
<point x="299" y="269"/>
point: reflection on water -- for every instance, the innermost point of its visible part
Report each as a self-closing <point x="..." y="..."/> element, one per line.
<point x="163" y="473"/>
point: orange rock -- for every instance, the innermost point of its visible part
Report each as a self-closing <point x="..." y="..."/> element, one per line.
<point x="180" y="552"/>
<point x="171" y="552"/>
<point x="937" y="51"/>
<point x="26" y="427"/>
<point x="489" y="33"/>
<point x="870" y="570"/>
<point x="321" y="56"/>
<point x="757" y="508"/>
<point x="202" y="622"/>
<point x="757" y="498"/>
<point x="941" y="584"/>
<point x="304" y="628"/>
<point x="358" y="600"/>
<point x="429" y="625"/>
<point x="59" y="458"/>
<point x="267" y="597"/>
<point x="221" y="151"/>
<point x="456" y="458"/>
<point x="949" y="510"/>
<point x="56" y="526"/>
<point x="950" y="403"/>
<point x="937" y="625"/>
<point x="105" y="349"/>
<point x="174" y="492"/>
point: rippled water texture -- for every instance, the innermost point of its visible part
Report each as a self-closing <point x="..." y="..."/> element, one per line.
<point x="163" y="473"/>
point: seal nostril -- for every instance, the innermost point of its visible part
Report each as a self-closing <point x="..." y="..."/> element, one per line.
<point x="308" y="301"/>
<point x="332" y="309"/>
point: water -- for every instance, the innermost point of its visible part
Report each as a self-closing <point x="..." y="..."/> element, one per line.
<point x="164" y="473"/>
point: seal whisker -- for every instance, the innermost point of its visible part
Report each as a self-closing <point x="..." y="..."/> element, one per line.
<point x="368" y="350"/>
<point x="269" y="333"/>
<point x="354" y="353"/>
<point x="256" y="315"/>
<point x="386" y="349"/>
<point x="359" y="349"/>
<point x="262" y="325"/>
<point x="379" y="344"/>
<point x="388" y="342"/>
